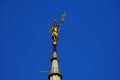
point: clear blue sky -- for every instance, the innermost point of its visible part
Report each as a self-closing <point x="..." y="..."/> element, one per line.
<point x="89" y="44"/>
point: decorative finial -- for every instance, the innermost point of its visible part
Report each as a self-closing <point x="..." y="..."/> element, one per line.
<point x="55" y="32"/>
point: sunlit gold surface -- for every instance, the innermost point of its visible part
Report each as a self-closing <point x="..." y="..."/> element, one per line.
<point x="55" y="33"/>
<point x="54" y="43"/>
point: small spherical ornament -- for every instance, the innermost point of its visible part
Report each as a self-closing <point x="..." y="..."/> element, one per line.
<point x="54" y="43"/>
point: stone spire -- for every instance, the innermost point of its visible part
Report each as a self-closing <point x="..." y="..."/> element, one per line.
<point x="55" y="73"/>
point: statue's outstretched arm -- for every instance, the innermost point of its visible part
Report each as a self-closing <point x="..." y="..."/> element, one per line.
<point x="61" y="23"/>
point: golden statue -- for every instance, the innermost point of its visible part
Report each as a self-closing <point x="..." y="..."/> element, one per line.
<point x="54" y="30"/>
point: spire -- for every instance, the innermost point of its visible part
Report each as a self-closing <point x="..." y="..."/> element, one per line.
<point x="54" y="56"/>
<point x="55" y="73"/>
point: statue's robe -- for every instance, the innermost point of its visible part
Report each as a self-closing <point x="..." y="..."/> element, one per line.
<point x="55" y="33"/>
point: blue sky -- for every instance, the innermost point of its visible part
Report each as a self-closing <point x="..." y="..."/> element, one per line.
<point x="89" y="43"/>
